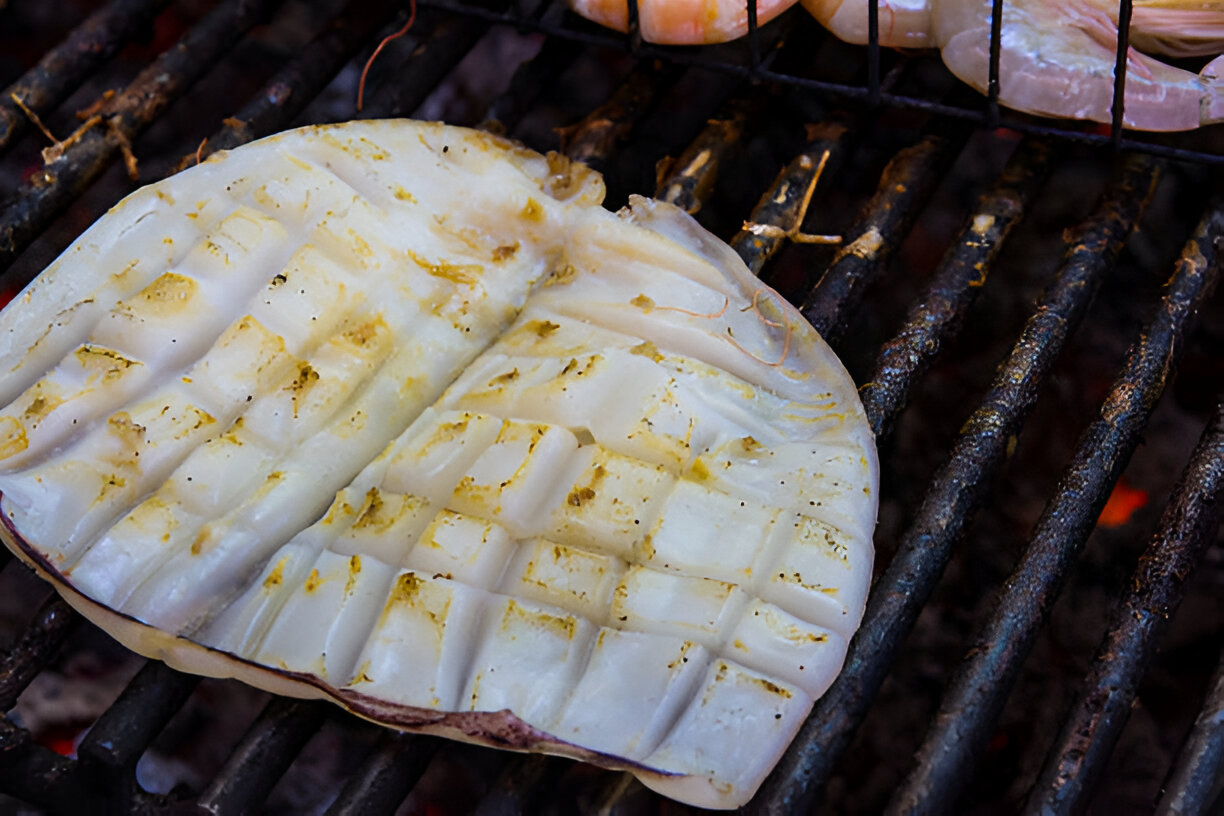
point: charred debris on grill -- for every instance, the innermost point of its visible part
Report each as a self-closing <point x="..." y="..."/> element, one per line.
<point x="725" y="202"/>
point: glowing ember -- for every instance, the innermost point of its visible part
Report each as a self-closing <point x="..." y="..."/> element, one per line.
<point x="1122" y="504"/>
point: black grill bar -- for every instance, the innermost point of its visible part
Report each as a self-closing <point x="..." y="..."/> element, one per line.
<point x="753" y="37"/>
<point x="992" y="79"/>
<point x="873" y="52"/>
<point x="38" y="775"/>
<point x="592" y="140"/>
<point x="782" y="204"/>
<point x="528" y="82"/>
<point x="907" y="183"/>
<point x="52" y="190"/>
<point x="954" y="287"/>
<point x="955" y="493"/>
<point x="109" y="752"/>
<point x="520" y="786"/>
<point x="1199" y="769"/>
<point x="40" y="640"/>
<point x="1117" y="110"/>
<point x="690" y="179"/>
<point x="977" y="693"/>
<point x="69" y="64"/>
<point x="633" y="19"/>
<point x="438" y="43"/>
<point x="387" y="775"/>
<point x="1089" y="733"/>
<point x="302" y="78"/>
<point x="266" y="751"/>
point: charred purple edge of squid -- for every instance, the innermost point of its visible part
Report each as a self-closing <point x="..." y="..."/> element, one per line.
<point x="497" y="729"/>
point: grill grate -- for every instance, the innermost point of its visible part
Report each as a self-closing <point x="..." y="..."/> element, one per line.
<point x="855" y="153"/>
<point x="1096" y="719"/>
<point x="979" y="690"/>
<point x="957" y="491"/>
<point x="68" y="65"/>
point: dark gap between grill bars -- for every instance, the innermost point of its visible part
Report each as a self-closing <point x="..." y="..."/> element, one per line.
<point x="903" y="175"/>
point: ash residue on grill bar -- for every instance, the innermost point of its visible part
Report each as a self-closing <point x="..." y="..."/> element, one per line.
<point x="1027" y="647"/>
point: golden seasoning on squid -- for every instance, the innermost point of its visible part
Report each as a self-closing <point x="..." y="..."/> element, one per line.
<point x="395" y="414"/>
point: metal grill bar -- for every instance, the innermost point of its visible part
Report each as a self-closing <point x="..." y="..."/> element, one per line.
<point x="52" y="190"/>
<point x="873" y="52"/>
<point x="519" y="787"/>
<point x="632" y="23"/>
<point x="527" y="83"/>
<point x="781" y="205"/>
<point x="438" y="44"/>
<point x="592" y="140"/>
<point x="126" y="729"/>
<point x="955" y="493"/>
<point x="977" y="693"/>
<point x="691" y="177"/>
<point x="1117" y="111"/>
<point x="386" y="776"/>
<point x="265" y="753"/>
<point x="292" y="88"/>
<point x="66" y="66"/>
<point x="1199" y="768"/>
<point x="996" y="49"/>
<point x="908" y="181"/>
<point x="38" y="775"/>
<point x="1088" y="735"/>
<point x="955" y="285"/>
<point x="40" y="639"/>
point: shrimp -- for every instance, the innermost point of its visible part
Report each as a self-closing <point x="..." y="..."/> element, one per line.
<point x="681" y="22"/>
<point x="903" y="23"/>
<point x="1058" y="56"/>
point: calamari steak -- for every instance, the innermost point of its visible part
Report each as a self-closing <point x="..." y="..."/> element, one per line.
<point x="397" y="414"/>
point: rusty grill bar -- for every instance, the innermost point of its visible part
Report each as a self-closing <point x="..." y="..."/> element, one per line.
<point x="833" y="288"/>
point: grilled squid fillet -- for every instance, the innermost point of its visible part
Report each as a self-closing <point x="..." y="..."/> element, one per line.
<point x="396" y="414"/>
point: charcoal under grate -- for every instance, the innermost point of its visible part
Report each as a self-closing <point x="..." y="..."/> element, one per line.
<point x="1014" y="296"/>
